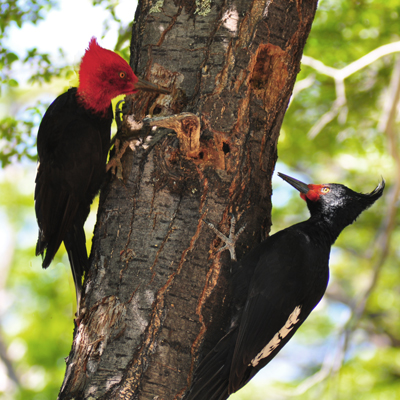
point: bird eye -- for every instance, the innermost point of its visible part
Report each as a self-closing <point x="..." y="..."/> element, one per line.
<point x="122" y="74"/>
<point x="325" y="190"/>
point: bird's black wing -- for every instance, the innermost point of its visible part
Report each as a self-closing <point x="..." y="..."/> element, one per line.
<point x="283" y="291"/>
<point x="71" y="167"/>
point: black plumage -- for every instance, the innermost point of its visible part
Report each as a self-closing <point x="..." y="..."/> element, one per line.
<point x="73" y="144"/>
<point x="275" y="288"/>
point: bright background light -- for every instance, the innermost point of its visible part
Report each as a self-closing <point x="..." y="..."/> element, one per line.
<point x="70" y="26"/>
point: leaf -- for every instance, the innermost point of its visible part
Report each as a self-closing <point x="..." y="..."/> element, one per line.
<point x="12" y="83"/>
<point x="11" y="57"/>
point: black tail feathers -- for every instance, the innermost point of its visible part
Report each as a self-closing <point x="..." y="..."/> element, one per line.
<point x="75" y="243"/>
<point x="211" y="379"/>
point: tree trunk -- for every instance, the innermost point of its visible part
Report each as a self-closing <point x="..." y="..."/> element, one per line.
<point x="157" y="295"/>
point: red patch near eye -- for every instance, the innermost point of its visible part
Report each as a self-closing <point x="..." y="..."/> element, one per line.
<point x="313" y="194"/>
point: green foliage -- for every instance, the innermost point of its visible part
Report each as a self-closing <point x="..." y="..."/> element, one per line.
<point x="44" y="305"/>
<point x="16" y="130"/>
<point x="17" y="12"/>
<point x="37" y="324"/>
<point x="16" y="138"/>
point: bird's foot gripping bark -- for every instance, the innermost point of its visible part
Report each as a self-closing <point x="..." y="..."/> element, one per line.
<point x="231" y="240"/>
<point x="121" y="141"/>
<point x="115" y="162"/>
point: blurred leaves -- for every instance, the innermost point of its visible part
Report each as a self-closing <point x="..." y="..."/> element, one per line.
<point x="36" y="306"/>
<point x="17" y="12"/>
<point x="16" y="140"/>
<point x="20" y="11"/>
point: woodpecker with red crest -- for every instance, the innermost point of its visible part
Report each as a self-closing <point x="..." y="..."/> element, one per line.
<point x="276" y="286"/>
<point x="73" y="142"/>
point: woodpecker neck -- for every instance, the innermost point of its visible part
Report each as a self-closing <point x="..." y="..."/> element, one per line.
<point x="94" y="100"/>
<point x="327" y="227"/>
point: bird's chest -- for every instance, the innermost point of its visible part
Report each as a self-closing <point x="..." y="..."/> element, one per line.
<point x="315" y="270"/>
<point x="307" y="271"/>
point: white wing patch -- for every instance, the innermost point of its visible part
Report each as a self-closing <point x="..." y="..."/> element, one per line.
<point x="275" y="341"/>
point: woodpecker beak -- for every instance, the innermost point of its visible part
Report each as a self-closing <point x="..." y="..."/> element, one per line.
<point x="146" y="86"/>
<point x="300" y="186"/>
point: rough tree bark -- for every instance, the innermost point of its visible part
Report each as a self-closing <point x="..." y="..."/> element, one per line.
<point x="157" y="295"/>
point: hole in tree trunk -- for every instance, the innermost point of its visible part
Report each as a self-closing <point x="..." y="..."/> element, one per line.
<point x="157" y="110"/>
<point x="225" y="147"/>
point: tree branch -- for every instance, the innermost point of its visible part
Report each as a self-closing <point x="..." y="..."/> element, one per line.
<point x="339" y="75"/>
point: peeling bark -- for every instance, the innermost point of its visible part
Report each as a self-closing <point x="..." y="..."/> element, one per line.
<point x="157" y="295"/>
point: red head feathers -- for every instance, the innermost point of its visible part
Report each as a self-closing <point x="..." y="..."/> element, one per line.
<point x="103" y="75"/>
